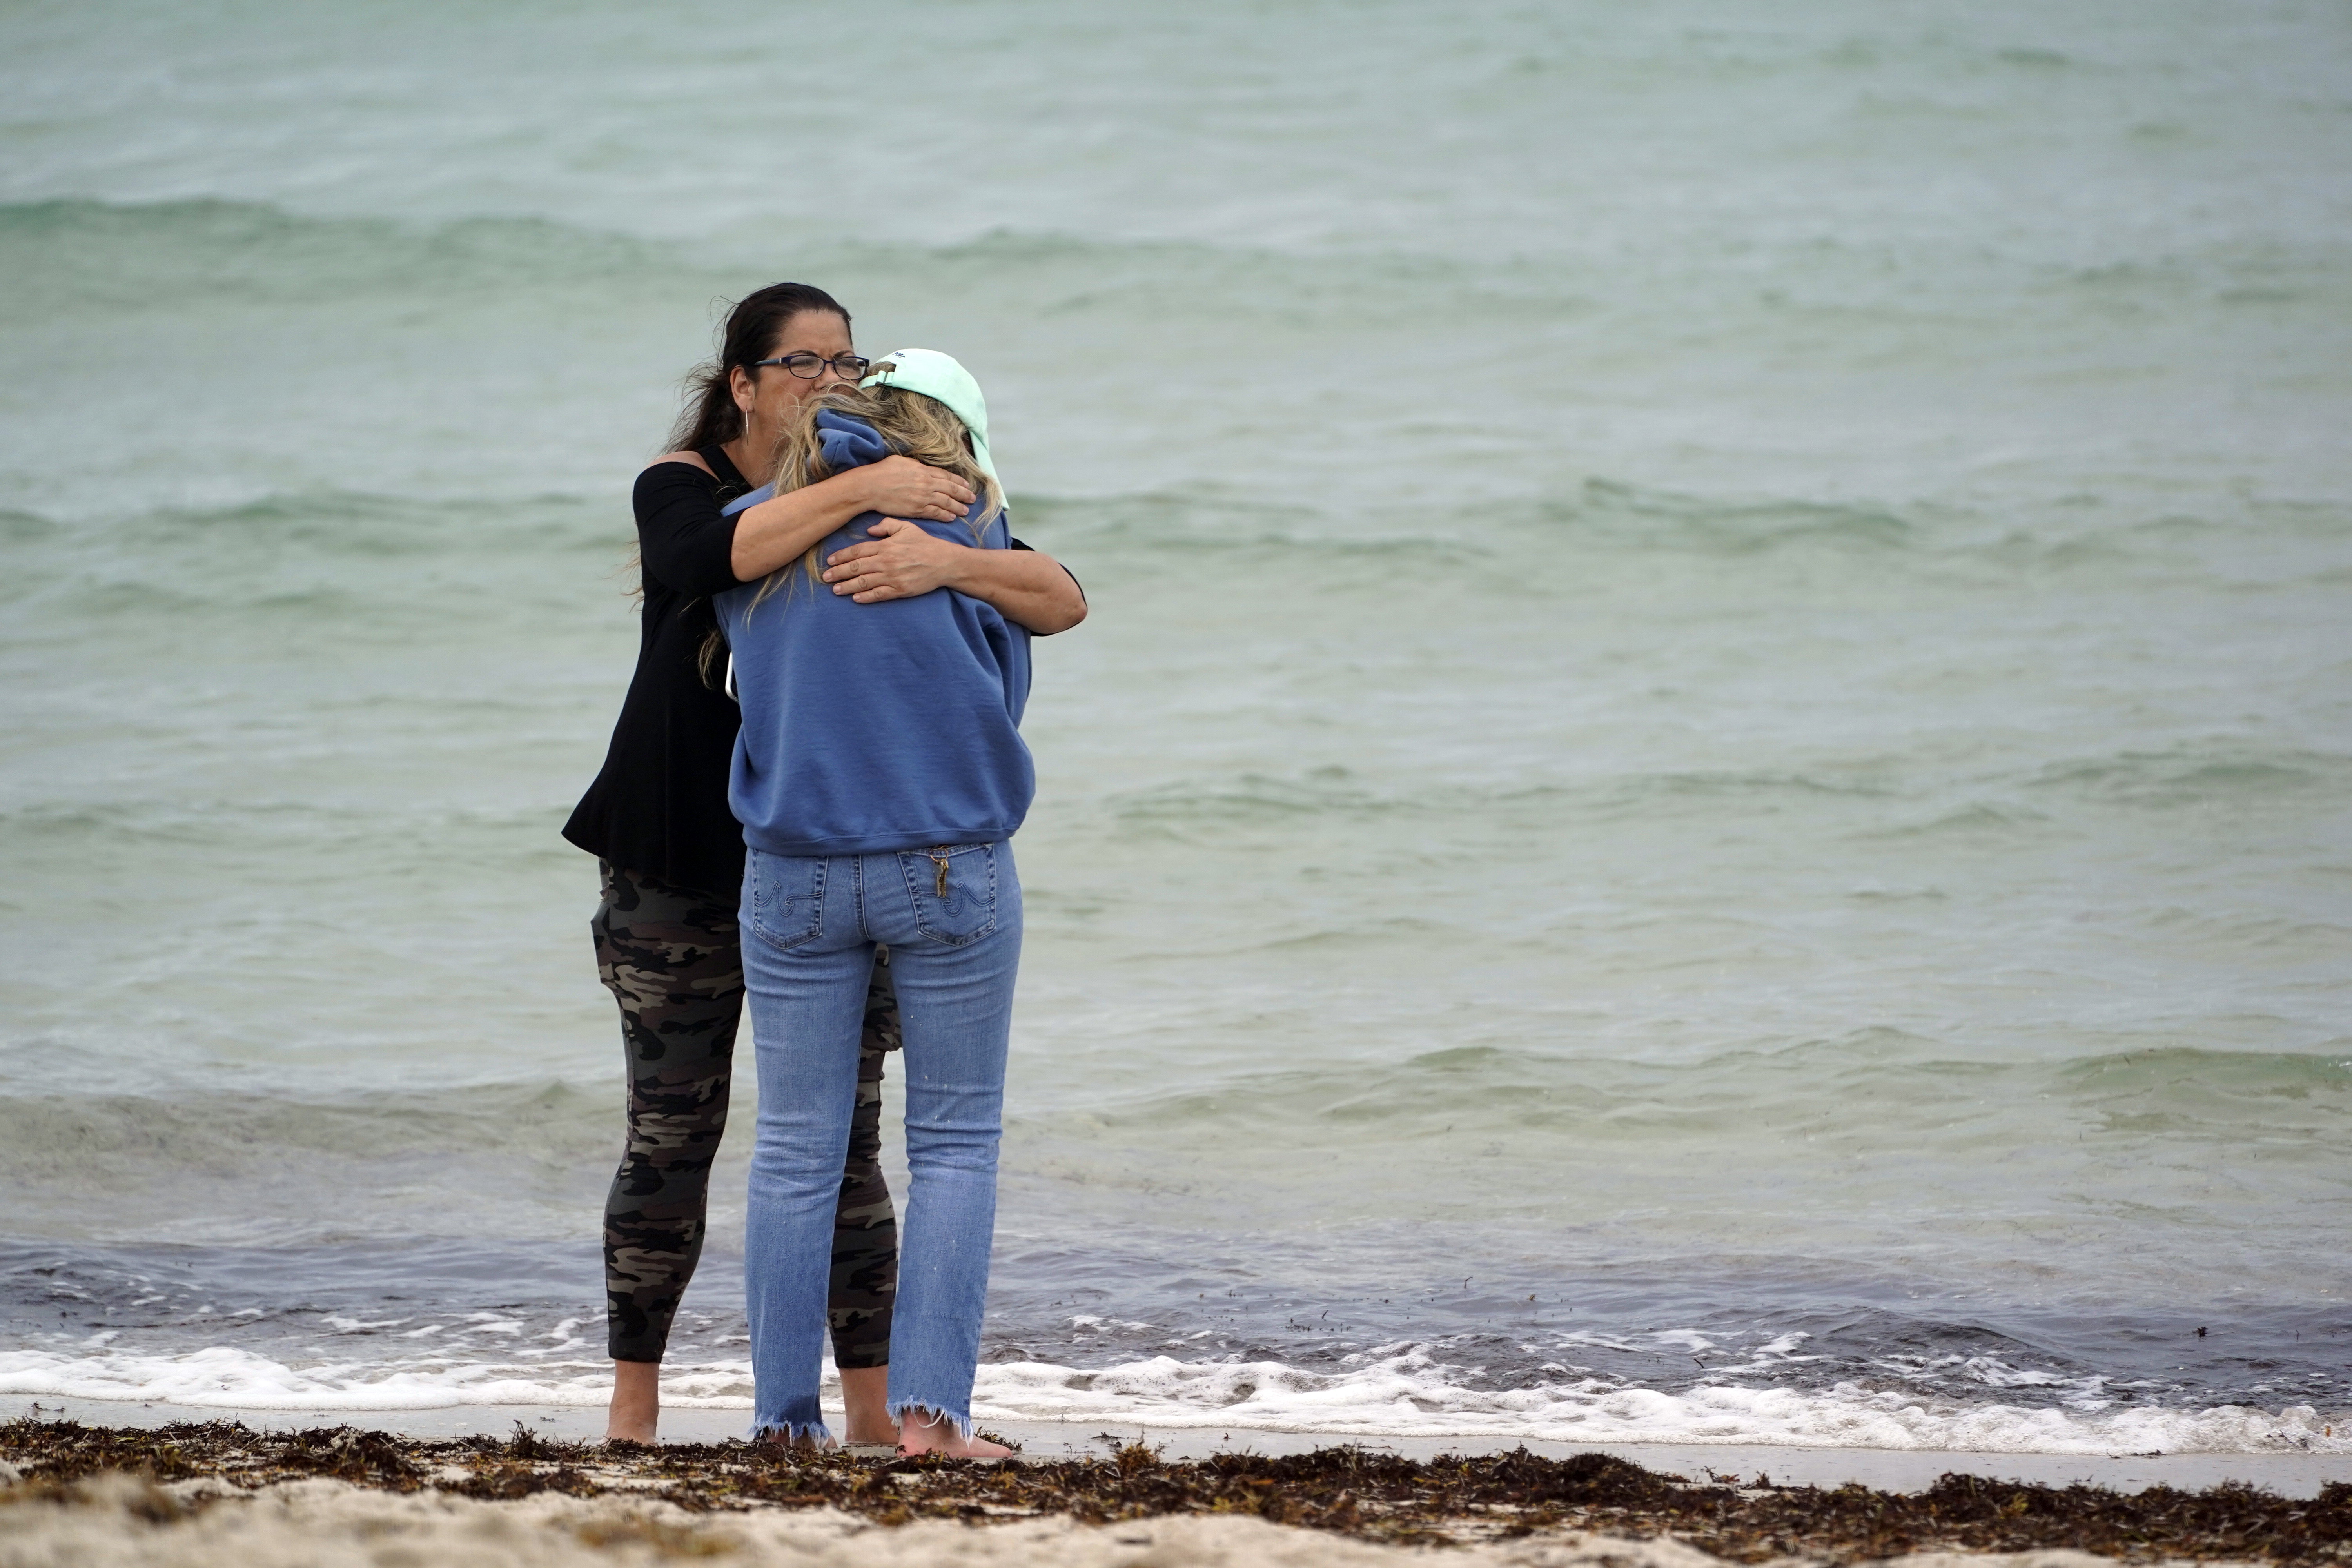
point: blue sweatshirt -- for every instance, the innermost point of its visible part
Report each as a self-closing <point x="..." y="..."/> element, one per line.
<point x="869" y="727"/>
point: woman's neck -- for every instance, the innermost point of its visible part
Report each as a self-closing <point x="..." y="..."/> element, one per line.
<point x="752" y="451"/>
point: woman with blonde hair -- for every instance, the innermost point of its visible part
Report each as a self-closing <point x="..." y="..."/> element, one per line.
<point x="879" y="778"/>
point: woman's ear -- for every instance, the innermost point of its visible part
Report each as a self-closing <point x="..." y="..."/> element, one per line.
<point x="745" y="391"/>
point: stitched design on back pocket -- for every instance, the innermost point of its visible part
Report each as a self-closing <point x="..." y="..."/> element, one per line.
<point x="787" y="898"/>
<point x="953" y="887"/>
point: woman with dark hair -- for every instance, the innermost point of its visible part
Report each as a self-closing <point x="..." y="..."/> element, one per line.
<point x="671" y="855"/>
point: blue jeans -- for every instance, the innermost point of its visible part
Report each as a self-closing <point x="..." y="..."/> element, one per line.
<point x="952" y="917"/>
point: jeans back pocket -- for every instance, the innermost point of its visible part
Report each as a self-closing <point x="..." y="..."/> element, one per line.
<point x="953" y="887"/>
<point x="787" y="897"/>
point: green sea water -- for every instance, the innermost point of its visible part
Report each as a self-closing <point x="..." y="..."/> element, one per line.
<point x="1716" y="705"/>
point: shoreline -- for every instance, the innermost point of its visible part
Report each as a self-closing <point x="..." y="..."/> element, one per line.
<point x="1879" y="1469"/>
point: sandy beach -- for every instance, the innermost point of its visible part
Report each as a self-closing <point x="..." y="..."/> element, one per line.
<point x="330" y="1524"/>
<point x="223" y="1492"/>
<point x="2289" y="1474"/>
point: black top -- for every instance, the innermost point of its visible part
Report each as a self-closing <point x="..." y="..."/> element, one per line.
<point x="659" y="807"/>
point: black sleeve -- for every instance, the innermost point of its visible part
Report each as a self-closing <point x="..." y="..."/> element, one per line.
<point x="686" y="543"/>
<point x="1073" y="576"/>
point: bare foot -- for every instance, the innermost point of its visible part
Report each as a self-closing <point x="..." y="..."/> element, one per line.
<point x="865" y="1396"/>
<point x="637" y="1402"/>
<point x="920" y="1433"/>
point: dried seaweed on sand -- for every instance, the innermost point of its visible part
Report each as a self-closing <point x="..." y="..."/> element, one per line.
<point x="1351" y="1491"/>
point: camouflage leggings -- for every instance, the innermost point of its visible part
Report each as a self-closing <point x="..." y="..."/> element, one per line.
<point x="674" y="962"/>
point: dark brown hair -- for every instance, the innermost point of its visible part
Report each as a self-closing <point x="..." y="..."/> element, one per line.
<point x="755" y="323"/>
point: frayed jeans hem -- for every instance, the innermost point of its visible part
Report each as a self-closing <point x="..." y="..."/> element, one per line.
<point x="793" y="1432"/>
<point x="900" y="1409"/>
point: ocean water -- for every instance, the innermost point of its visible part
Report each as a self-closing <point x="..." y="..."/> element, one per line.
<point x="1709" y="796"/>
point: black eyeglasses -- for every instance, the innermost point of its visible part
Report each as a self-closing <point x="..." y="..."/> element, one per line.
<point x="808" y="366"/>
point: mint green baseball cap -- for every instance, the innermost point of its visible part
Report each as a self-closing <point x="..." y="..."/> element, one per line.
<point x="940" y="376"/>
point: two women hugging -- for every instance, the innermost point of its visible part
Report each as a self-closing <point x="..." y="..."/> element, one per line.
<point x="825" y="832"/>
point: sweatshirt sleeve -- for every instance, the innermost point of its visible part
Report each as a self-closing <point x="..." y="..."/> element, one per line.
<point x="686" y="543"/>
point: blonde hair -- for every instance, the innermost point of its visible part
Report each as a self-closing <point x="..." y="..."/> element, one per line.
<point x="914" y="426"/>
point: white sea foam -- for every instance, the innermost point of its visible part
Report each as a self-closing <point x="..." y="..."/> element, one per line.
<point x="1408" y="1397"/>
<point x="221" y="1377"/>
<point x="1401" y="1395"/>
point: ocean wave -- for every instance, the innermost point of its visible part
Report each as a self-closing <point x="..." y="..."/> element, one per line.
<point x="227" y="1377"/>
<point x="1979" y="1200"/>
<point x="1740" y="527"/>
<point x="1985" y="804"/>
<point x="2198" y="775"/>
<point x="1407" y="1395"/>
<point x="76" y="253"/>
<point x="1606" y="1124"/>
<point x="289" y="822"/>
<point x="1228" y="802"/>
<point x="1506" y="546"/>
<point x="23" y="527"/>
<point x="255" y="533"/>
<point x="1915" y="1087"/>
<point x="73" y="252"/>
<point x="211" y="585"/>
<point x="116" y="1142"/>
<point x="1240" y="528"/>
<point x="1401" y="1393"/>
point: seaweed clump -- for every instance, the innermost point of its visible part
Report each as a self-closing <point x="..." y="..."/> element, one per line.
<point x="1352" y="1491"/>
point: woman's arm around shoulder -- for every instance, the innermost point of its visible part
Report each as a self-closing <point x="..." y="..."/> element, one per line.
<point x="689" y="544"/>
<point x="903" y="561"/>
<point x="776" y="533"/>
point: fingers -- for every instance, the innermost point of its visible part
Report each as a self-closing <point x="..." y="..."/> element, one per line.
<point x="882" y="531"/>
<point x="868" y="587"/>
<point x="900" y="561"/>
<point x="938" y="505"/>
<point x="920" y="491"/>
<point x="938" y="478"/>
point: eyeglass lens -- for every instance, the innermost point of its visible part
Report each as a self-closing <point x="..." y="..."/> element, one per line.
<point x="808" y="367"/>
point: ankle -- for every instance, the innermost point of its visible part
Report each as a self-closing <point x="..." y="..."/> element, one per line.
<point x="635" y="1414"/>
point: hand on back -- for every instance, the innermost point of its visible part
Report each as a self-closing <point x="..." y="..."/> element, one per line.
<point x="901" y="487"/>
<point x="899" y="561"/>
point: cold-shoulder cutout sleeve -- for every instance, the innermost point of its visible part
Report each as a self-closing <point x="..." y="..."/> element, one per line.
<point x="681" y="536"/>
